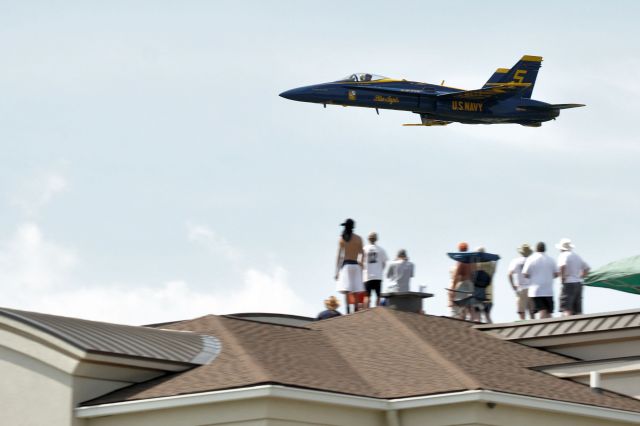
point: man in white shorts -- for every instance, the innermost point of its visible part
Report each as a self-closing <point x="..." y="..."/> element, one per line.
<point x="349" y="266"/>
<point x="374" y="262"/>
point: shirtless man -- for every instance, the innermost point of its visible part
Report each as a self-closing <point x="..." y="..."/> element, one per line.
<point x="349" y="265"/>
<point x="461" y="299"/>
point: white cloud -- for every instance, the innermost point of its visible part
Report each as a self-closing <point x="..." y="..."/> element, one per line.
<point x="206" y="237"/>
<point x="30" y="263"/>
<point x="174" y="300"/>
<point x="37" y="274"/>
<point x="53" y="184"/>
<point x="38" y="192"/>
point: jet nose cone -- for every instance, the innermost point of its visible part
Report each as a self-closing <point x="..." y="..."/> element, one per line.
<point x="317" y="94"/>
<point x="293" y="94"/>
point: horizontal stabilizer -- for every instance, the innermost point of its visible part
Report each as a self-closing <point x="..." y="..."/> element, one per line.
<point x="497" y="91"/>
<point x="566" y="106"/>
<point x="548" y="107"/>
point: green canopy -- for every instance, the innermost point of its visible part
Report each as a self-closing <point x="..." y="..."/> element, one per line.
<point x="623" y="275"/>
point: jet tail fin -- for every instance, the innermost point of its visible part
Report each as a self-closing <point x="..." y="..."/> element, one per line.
<point x="524" y="71"/>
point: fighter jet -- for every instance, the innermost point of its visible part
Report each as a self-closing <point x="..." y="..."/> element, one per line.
<point x="504" y="98"/>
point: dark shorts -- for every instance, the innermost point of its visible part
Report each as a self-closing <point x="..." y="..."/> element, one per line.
<point x="543" y="303"/>
<point x="571" y="297"/>
<point x="373" y="285"/>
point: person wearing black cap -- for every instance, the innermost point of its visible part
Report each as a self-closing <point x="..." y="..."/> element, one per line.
<point x="349" y="266"/>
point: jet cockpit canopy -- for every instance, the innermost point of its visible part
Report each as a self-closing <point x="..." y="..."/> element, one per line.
<point x="363" y="76"/>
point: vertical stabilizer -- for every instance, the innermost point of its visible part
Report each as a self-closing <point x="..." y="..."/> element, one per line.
<point x="524" y="71"/>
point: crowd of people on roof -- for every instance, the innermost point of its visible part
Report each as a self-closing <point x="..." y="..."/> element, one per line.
<point x="360" y="269"/>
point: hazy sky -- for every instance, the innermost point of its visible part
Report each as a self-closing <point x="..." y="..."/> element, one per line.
<point x="149" y="171"/>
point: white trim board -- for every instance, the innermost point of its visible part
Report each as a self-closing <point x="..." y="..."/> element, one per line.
<point x="279" y="391"/>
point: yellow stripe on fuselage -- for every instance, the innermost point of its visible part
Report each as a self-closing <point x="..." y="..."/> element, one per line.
<point x="502" y="70"/>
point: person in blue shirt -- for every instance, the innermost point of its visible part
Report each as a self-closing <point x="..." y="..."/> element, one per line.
<point x="332" y="305"/>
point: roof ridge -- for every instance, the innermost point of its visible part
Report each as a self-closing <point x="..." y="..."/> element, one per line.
<point x="353" y="365"/>
<point x="261" y="372"/>
<point x="344" y="316"/>
<point x="231" y="317"/>
<point x="469" y="381"/>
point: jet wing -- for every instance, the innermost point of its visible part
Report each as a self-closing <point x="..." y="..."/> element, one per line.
<point x="495" y="91"/>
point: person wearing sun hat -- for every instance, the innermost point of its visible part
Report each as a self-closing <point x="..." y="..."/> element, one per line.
<point x="331" y="304"/>
<point x="521" y="284"/>
<point x="571" y="270"/>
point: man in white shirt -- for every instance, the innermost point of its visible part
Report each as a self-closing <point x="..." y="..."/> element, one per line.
<point x="540" y="270"/>
<point x="400" y="272"/>
<point x="374" y="262"/>
<point x="520" y="284"/>
<point x="571" y="269"/>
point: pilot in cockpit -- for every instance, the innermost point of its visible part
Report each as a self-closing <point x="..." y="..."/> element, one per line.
<point x="366" y="77"/>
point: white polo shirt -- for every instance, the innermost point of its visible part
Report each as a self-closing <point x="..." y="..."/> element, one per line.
<point x="541" y="269"/>
<point x="373" y="264"/>
<point x="515" y="267"/>
<point x="574" y="266"/>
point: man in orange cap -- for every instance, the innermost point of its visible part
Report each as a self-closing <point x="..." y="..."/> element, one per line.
<point x="461" y="289"/>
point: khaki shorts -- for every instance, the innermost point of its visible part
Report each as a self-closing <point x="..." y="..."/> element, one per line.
<point x="525" y="304"/>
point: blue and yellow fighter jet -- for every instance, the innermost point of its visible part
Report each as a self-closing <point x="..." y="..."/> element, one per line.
<point x="504" y="98"/>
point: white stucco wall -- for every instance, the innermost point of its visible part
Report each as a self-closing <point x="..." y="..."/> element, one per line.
<point x="42" y="379"/>
<point x="33" y="393"/>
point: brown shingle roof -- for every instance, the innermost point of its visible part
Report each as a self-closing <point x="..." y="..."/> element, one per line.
<point x="378" y="353"/>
